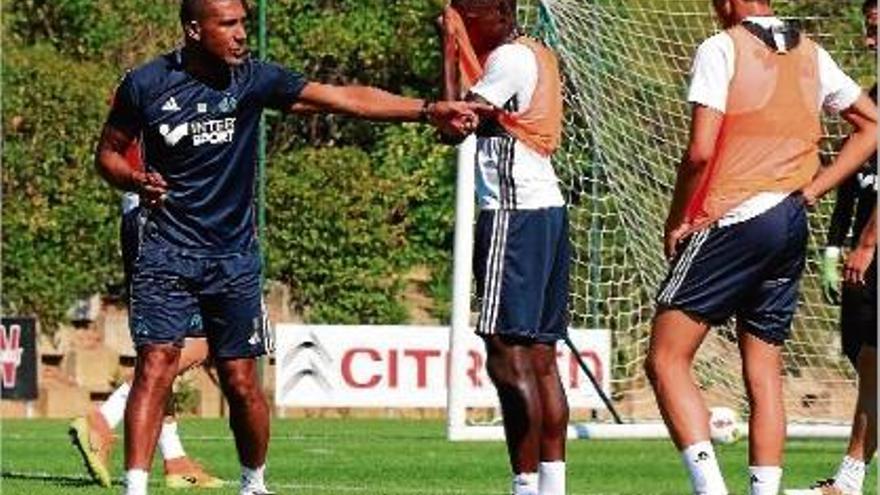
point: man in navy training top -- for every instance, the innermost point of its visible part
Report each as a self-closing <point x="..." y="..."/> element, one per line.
<point x="198" y="109"/>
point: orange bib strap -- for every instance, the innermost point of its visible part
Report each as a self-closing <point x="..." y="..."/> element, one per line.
<point x="540" y="125"/>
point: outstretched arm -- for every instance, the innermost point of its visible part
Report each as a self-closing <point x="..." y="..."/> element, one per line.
<point x="375" y="104"/>
<point x="861" y="144"/>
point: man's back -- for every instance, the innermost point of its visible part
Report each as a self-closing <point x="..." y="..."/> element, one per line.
<point x="771" y="103"/>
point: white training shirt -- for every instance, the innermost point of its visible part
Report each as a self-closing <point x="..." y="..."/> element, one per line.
<point x="711" y="73"/>
<point x="509" y="174"/>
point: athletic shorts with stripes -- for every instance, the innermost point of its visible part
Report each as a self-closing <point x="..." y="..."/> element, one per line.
<point x="521" y="265"/>
<point x="750" y="270"/>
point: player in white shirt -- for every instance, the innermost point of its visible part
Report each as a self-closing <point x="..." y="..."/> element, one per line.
<point x="736" y="231"/>
<point x="521" y="247"/>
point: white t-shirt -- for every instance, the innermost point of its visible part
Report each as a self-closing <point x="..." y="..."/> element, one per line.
<point x="509" y="174"/>
<point x="711" y="73"/>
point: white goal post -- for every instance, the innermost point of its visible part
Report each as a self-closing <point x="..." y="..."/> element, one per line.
<point x="625" y="64"/>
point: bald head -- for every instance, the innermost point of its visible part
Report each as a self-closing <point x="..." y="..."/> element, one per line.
<point x="194" y="10"/>
<point x="508" y="6"/>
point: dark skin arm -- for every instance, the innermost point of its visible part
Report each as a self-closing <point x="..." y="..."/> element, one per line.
<point x="115" y="169"/>
<point x="451" y="89"/>
<point x="859" y="260"/>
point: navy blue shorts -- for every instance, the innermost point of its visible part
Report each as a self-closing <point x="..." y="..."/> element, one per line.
<point x="130" y="238"/>
<point x="521" y="265"/>
<point x="750" y="270"/>
<point x="858" y="315"/>
<point x="130" y="230"/>
<point x="174" y="291"/>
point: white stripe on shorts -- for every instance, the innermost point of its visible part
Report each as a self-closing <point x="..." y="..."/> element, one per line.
<point x="683" y="266"/>
<point x="494" y="273"/>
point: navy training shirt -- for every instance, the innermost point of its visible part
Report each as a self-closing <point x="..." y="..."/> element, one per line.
<point x="203" y="141"/>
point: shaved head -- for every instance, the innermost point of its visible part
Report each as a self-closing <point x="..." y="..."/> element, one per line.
<point x="464" y="4"/>
<point x="194" y="10"/>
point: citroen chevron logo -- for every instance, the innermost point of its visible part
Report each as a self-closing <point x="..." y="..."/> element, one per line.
<point x="311" y="361"/>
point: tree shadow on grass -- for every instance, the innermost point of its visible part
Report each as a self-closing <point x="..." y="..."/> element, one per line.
<point x="60" y="480"/>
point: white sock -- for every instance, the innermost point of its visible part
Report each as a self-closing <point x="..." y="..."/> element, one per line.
<point x="525" y="484"/>
<point x="113" y="409"/>
<point x="253" y="479"/>
<point x="702" y="466"/>
<point x="136" y="482"/>
<point x="551" y="478"/>
<point x="169" y="442"/>
<point x="850" y="475"/>
<point x="764" y="480"/>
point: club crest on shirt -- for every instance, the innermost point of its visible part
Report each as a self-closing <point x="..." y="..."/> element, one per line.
<point x="227" y="104"/>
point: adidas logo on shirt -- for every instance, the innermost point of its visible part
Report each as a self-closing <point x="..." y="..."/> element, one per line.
<point x="170" y="105"/>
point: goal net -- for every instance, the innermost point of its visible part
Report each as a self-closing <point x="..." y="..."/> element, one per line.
<point x="626" y="64"/>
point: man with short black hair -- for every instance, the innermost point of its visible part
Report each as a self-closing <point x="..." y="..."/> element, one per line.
<point x="197" y="109"/>
<point x="521" y="246"/>
<point x="737" y="227"/>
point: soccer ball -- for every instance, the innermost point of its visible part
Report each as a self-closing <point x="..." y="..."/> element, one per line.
<point x="724" y="425"/>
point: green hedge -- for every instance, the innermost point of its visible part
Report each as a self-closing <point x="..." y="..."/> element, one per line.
<point x="352" y="205"/>
<point x="59" y="237"/>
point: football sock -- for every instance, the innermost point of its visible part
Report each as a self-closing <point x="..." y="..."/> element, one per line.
<point x="525" y="484"/>
<point x="113" y="409"/>
<point x="850" y="475"/>
<point x="253" y="479"/>
<point x="169" y="442"/>
<point x="764" y="480"/>
<point x="702" y="466"/>
<point x="136" y="482"/>
<point x="551" y="478"/>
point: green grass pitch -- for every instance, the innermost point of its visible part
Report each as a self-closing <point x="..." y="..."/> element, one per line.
<point x="390" y="457"/>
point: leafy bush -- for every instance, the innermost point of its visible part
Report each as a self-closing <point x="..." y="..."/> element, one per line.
<point x="333" y="229"/>
<point x="59" y="229"/>
<point x="123" y="32"/>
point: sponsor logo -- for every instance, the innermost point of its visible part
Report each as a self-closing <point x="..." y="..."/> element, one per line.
<point x="218" y="131"/>
<point x="10" y="354"/>
<point x="313" y="363"/>
<point x="867" y="180"/>
<point x="213" y="131"/>
<point x="702" y="456"/>
<point x="173" y="136"/>
<point x="171" y="105"/>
